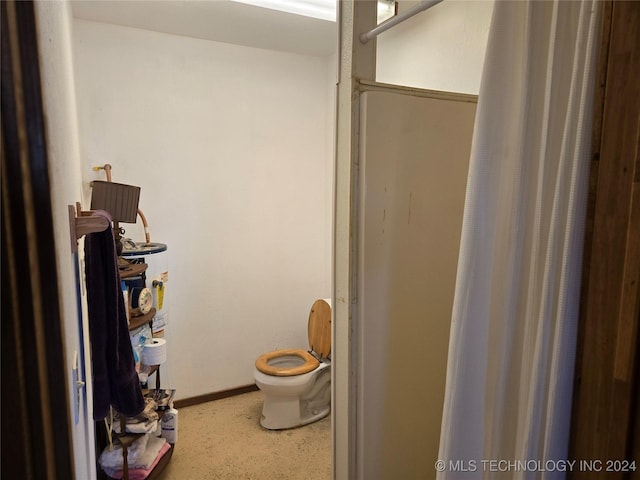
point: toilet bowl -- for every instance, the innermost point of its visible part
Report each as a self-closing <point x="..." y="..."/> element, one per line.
<point x="297" y="384"/>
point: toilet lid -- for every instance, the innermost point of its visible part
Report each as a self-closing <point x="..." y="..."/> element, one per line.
<point x="320" y="328"/>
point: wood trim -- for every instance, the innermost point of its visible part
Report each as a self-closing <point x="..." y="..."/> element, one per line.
<point x="605" y="405"/>
<point x="210" y="397"/>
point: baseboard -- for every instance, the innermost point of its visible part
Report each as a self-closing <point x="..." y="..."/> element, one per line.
<point x="209" y="397"/>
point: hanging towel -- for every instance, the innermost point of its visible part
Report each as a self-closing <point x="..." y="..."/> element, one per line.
<point x="115" y="380"/>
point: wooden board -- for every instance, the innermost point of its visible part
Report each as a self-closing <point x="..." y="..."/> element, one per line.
<point x="607" y="382"/>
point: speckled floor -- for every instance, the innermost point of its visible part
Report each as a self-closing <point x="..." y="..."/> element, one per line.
<point x="224" y="440"/>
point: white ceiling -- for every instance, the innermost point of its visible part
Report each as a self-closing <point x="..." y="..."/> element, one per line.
<point x="217" y="20"/>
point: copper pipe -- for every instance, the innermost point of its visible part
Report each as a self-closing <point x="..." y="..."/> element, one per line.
<point x="146" y="227"/>
<point x="107" y="169"/>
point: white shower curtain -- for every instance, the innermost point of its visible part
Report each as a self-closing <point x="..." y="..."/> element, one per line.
<point x="512" y="346"/>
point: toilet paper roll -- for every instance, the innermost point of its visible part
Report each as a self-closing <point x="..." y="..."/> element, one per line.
<point x="154" y="352"/>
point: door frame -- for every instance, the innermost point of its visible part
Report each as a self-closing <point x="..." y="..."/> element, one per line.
<point x="606" y="417"/>
<point x="35" y="421"/>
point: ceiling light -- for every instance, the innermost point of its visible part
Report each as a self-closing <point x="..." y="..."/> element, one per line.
<point x="386" y="10"/>
<point x="322" y="9"/>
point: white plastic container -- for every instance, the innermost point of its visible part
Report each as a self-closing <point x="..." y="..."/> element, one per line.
<point x="169" y="424"/>
<point x="125" y="295"/>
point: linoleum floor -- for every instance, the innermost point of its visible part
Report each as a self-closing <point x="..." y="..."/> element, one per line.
<point x="223" y="439"/>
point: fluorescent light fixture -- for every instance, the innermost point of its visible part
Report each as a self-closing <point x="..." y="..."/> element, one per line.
<point x="386" y="10"/>
<point x="322" y="9"/>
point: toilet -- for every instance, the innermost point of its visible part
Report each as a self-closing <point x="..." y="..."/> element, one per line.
<point x="297" y="383"/>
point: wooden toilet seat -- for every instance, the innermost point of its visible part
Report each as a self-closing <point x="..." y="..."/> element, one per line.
<point x="319" y="331"/>
<point x="311" y="363"/>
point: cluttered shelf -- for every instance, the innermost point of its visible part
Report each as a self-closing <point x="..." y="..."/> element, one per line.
<point x="135" y="472"/>
<point x="129" y="270"/>
<point x="137" y="447"/>
<point x="162" y="463"/>
<point x="137" y="451"/>
<point x="142" y="450"/>
<point x="138" y="321"/>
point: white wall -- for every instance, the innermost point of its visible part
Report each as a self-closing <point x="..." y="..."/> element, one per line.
<point x="231" y="148"/>
<point x="441" y="48"/>
<point x="55" y="44"/>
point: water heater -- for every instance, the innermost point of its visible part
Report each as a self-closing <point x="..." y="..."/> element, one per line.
<point x="157" y="277"/>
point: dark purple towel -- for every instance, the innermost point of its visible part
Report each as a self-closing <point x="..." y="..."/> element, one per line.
<point x="115" y="380"/>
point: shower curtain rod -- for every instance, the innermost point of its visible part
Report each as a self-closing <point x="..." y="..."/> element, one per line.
<point x="393" y="21"/>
